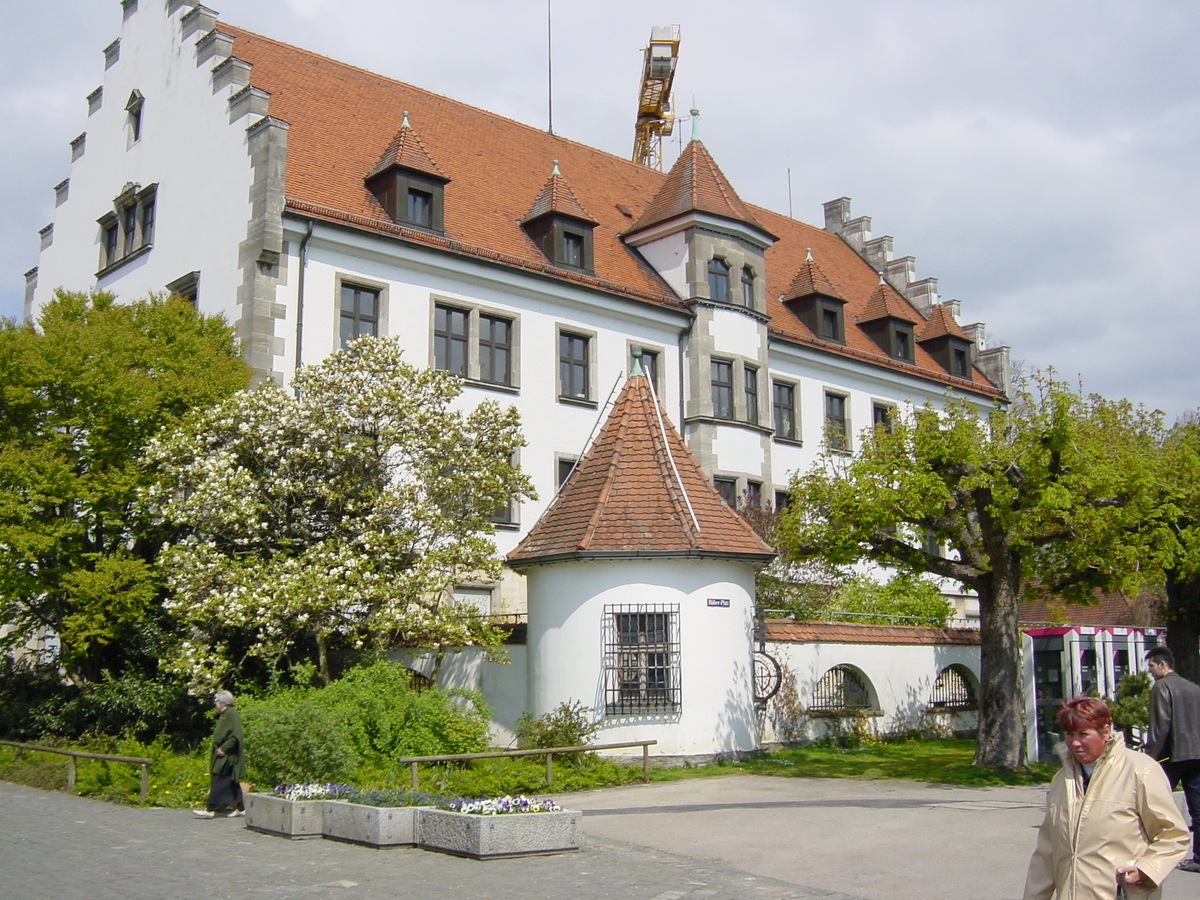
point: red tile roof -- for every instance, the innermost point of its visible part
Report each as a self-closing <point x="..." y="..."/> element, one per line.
<point x="854" y="633"/>
<point x="695" y="184"/>
<point x="342" y="119"/>
<point x="939" y="324"/>
<point x="638" y="491"/>
<point x="556" y="196"/>
<point x="1111" y="609"/>
<point x="810" y="280"/>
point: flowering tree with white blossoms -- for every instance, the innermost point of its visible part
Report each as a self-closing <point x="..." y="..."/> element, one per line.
<point x="345" y="512"/>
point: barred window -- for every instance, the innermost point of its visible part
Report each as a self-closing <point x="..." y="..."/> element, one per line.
<point x="841" y="688"/>
<point x="954" y="689"/>
<point x="641" y="656"/>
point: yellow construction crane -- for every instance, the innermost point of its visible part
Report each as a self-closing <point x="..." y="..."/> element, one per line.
<point x="655" y="117"/>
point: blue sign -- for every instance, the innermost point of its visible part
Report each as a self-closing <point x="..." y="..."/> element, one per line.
<point x="713" y="601"/>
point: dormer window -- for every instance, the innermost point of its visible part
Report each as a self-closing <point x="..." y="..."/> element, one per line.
<point x="419" y="208"/>
<point x="409" y="198"/>
<point x="830" y="321"/>
<point x="572" y="245"/>
<point x="718" y="279"/>
<point x="959" y="363"/>
<point x="902" y="341"/>
<point x="566" y="241"/>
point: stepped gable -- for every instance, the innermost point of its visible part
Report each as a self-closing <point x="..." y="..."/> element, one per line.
<point x="408" y="152"/>
<point x="332" y="145"/>
<point x="886" y="303"/>
<point x="695" y="184"/>
<point x="556" y="196"/>
<point x="626" y="499"/>
<point x="939" y="324"/>
<point x="809" y="280"/>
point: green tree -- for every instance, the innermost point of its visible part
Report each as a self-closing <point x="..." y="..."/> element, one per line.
<point x="81" y="395"/>
<point x="1041" y="491"/>
<point x="344" y="513"/>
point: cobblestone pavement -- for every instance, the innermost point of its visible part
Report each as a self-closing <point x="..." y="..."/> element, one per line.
<point x="58" y="847"/>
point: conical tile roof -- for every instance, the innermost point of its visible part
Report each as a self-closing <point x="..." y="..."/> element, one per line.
<point x="885" y="303"/>
<point x="809" y="280"/>
<point x="556" y="196"/>
<point x="638" y="491"/>
<point x="695" y="184"/>
<point x="940" y="323"/>
<point x="407" y="151"/>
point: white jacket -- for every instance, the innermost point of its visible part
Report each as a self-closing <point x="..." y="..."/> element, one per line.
<point x="1126" y="817"/>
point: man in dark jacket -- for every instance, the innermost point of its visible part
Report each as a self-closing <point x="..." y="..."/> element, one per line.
<point x="227" y="761"/>
<point x="1174" y="738"/>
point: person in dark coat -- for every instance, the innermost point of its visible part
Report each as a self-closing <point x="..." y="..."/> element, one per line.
<point x="227" y="761"/>
<point x="1174" y="738"/>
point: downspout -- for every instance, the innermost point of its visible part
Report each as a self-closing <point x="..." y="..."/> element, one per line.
<point x="300" y="296"/>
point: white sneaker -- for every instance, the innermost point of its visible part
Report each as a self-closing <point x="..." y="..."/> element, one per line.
<point x="237" y="813"/>
<point x="204" y="814"/>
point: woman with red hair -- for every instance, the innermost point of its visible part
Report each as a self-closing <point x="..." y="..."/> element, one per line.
<point x="1110" y="817"/>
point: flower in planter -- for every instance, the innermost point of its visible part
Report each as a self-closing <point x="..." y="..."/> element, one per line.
<point x="497" y="806"/>
<point x="386" y="797"/>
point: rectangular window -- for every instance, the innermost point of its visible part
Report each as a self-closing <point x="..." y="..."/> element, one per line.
<point x="902" y="345"/>
<point x="750" y="383"/>
<point x="882" y="416"/>
<point x="837" y="431"/>
<point x="129" y="219"/>
<point x="495" y="349"/>
<point x="783" y="401"/>
<point x="419" y="208"/>
<point x="718" y="279"/>
<point x="754" y="495"/>
<point x="782" y="500"/>
<point x="831" y="325"/>
<point x="565" y="468"/>
<point x="573" y="366"/>
<point x="129" y="228"/>
<point x="112" y="237"/>
<point x="506" y="513"/>
<point x="722" y="388"/>
<point x="727" y="488"/>
<point x="147" y="236"/>
<point x="359" y="312"/>
<point x="641" y="658"/>
<point x="572" y="249"/>
<point x="747" y="287"/>
<point x="450" y="339"/>
<point x="958" y="363"/>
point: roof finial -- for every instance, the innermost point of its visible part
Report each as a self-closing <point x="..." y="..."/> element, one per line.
<point x="808" y="254"/>
<point x="695" y="122"/>
<point x="555" y="172"/>
<point x="635" y="368"/>
<point x="881" y="279"/>
<point x="405" y="124"/>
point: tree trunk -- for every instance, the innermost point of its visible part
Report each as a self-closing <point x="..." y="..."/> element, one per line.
<point x="1183" y="625"/>
<point x="322" y="659"/>
<point x="1001" y="741"/>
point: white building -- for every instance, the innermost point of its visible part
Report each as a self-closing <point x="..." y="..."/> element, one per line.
<point x="310" y="201"/>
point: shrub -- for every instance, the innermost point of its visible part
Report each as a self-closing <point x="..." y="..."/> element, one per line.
<point x="294" y="742"/>
<point x="568" y="725"/>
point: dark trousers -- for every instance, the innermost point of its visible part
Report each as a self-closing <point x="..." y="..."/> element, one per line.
<point x="1187" y="773"/>
<point x="224" y="790"/>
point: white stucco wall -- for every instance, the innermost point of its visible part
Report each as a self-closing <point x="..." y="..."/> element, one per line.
<point x="567" y="608"/>
<point x="900" y="676"/>
<point x="189" y="147"/>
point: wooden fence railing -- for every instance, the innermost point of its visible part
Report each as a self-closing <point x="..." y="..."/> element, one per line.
<point x="72" y="755"/>
<point x="547" y="752"/>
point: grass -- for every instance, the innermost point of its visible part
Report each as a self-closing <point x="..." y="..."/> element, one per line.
<point x="180" y="780"/>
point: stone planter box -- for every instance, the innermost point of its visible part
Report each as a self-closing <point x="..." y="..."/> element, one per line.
<point x="373" y="826"/>
<point x="488" y="837"/>
<point x="294" y="819"/>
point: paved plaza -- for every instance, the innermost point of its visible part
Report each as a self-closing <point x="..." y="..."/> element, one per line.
<point x="737" y="837"/>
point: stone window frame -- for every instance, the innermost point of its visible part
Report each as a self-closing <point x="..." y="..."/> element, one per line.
<point x="653" y="372"/>
<point x="588" y="364"/>
<point x="721" y="390"/>
<point x="791" y="435"/>
<point x="748" y="286"/>
<point x="474" y="315"/>
<point x="127" y="231"/>
<point x="718" y="279"/>
<point x="353" y="282"/>
<point x="837" y="424"/>
<point x="187" y="288"/>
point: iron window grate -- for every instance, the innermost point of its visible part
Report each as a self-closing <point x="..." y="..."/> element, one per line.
<point x="641" y="658"/>
<point x="841" y="688"/>
<point x="953" y="690"/>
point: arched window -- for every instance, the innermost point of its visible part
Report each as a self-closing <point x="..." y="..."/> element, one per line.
<point x="954" y="689"/>
<point x="747" y="287"/>
<point x="718" y="279"/>
<point x="841" y="688"/>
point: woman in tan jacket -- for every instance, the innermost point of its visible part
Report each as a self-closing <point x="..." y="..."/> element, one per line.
<point x="1110" y="816"/>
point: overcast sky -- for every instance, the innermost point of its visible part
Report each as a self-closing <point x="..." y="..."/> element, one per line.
<point x="1040" y="158"/>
